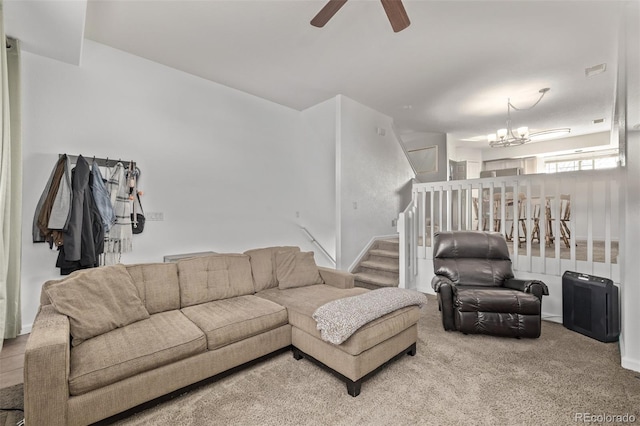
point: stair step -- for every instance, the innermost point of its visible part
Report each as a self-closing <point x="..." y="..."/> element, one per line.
<point x="391" y="244"/>
<point x="375" y="279"/>
<point x="383" y="266"/>
<point x="384" y="253"/>
<point x="378" y="272"/>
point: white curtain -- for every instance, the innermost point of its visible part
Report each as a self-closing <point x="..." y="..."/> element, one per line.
<point x="10" y="187"/>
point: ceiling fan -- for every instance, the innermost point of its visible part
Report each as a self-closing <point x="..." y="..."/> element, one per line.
<point x="394" y="9"/>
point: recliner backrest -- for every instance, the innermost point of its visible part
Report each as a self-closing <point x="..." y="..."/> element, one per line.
<point x="472" y="258"/>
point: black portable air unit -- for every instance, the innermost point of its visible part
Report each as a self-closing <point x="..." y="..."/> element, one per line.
<point x="590" y="306"/>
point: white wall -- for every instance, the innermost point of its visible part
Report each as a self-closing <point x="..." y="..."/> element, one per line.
<point x="629" y="287"/>
<point x="372" y="170"/>
<point x="466" y="154"/>
<point x="317" y="151"/>
<point x="220" y="164"/>
<point x="629" y="93"/>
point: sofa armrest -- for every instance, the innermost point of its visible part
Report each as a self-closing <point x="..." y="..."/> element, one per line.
<point x="46" y="369"/>
<point x="333" y="277"/>
<point x="535" y="287"/>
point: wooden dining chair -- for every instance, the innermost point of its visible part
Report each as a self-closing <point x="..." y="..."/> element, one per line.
<point x="565" y="218"/>
<point x="521" y="221"/>
<point x="535" y="215"/>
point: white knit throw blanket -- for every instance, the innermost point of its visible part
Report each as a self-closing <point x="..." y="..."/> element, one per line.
<point x="119" y="238"/>
<point x="339" y="319"/>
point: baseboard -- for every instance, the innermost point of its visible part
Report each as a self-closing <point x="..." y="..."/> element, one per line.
<point x="552" y="318"/>
<point x="626" y="361"/>
<point x="630" y="364"/>
<point x="26" y="329"/>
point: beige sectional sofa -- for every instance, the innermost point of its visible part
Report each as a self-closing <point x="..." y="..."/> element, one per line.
<point x="109" y="339"/>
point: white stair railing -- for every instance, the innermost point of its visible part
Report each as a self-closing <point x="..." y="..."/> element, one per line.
<point x="408" y="245"/>
<point x="543" y="236"/>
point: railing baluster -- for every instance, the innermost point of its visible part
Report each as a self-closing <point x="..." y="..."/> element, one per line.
<point x="424" y="219"/>
<point x="449" y="208"/>
<point x="459" y="205"/>
<point x="528" y="226"/>
<point x="515" y="225"/>
<point x="542" y="225"/>
<point x="469" y="207"/>
<point x="490" y="207"/>
<point x="503" y="208"/>
<point x="556" y="226"/>
<point x="607" y="221"/>
<point x="589" y="225"/>
<point x="433" y="222"/>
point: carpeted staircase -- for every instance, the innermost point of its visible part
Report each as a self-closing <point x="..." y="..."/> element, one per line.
<point x="380" y="266"/>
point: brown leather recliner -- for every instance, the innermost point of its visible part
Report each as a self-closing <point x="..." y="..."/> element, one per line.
<point x="477" y="291"/>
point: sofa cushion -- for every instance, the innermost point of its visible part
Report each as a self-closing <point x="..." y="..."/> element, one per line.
<point x="263" y="265"/>
<point x="215" y="277"/>
<point x="157" y="285"/>
<point x="97" y="300"/>
<point x="296" y="269"/>
<point x="142" y="346"/>
<point x="231" y="320"/>
<point x="302" y="302"/>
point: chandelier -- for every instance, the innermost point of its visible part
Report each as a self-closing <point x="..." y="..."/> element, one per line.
<point x="507" y="136"/>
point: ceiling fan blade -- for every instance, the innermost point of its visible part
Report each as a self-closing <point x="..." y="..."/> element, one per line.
<point x="327" y="12"/>
<point x="396" y="14"/>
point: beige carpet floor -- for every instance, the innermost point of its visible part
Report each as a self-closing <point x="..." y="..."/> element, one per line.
<point x="453" y="380"/>
<point x="11" y="398"/>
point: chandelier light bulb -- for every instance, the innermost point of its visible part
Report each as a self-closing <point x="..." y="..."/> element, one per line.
<point x="492" y="137"/>
<point x="502" y="133"/>
<point x="523" y="132"/>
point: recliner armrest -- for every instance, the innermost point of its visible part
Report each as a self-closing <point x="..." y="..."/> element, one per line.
<point x="438" y="281"/>
<point x="535" y="287"/>
<point x="445" y="289"/>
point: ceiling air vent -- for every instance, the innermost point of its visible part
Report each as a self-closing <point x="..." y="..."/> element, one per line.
<point x="598" y="121"/>
<point x="595" y="70"/>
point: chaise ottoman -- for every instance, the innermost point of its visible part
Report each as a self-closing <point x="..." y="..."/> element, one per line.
<point x="362" y="354"/>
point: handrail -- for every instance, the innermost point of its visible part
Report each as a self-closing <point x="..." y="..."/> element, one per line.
<point x="317" y="243"/>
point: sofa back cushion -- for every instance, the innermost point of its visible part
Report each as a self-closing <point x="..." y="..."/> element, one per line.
<point x="263" y="265"/>
<point x="296" y="269"/>
<point x="215" y="277"/>
<point x="97" y="301"/>
<point x="157" y="285"/>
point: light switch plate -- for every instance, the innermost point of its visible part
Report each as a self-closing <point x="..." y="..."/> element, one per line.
<point x="154" y="216"/>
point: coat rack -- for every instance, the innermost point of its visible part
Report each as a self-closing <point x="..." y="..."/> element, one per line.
<point x="102" y="162"/>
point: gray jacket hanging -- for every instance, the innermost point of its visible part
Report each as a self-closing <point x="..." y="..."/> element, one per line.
<point x="102" y="198"/>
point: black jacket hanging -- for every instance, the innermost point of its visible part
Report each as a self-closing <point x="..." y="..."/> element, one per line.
<point x="84" y="238"/>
